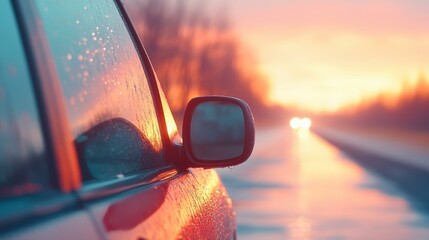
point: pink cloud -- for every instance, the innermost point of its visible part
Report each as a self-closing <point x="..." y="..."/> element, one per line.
<point x="366" y="17"/>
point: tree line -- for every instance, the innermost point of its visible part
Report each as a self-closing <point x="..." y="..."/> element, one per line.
<point x="196" y="53"/>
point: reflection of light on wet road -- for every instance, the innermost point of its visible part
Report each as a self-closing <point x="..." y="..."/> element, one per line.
<point x="296" y="186"/>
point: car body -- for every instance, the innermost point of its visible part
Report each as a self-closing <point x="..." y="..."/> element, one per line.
<point x="89" y="148"/>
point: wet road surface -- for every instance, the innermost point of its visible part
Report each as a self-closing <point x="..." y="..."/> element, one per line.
<point x="297" y="186"/>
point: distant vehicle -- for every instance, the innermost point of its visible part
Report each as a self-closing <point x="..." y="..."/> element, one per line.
<point x="300" y="123"/>
<point x="88" y="146"/>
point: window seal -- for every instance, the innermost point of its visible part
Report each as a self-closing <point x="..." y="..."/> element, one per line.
<point x="169" y="147"/>
<point x="102" y="189"/>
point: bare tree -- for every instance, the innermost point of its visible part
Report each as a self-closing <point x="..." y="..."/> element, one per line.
<point x="196" y="54"/>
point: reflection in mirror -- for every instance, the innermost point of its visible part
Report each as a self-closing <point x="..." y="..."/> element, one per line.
<point x="217" y="131"/>
<point x="113" y="149"/>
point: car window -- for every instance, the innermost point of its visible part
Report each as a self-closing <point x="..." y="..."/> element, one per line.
<point x="108" y="98"/>
<point x="23" y="166"/>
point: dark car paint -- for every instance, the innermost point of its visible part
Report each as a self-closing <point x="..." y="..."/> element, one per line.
<point x="170" y="203"/>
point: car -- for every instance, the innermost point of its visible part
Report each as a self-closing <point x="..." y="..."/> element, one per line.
<point x="88" y="145"/>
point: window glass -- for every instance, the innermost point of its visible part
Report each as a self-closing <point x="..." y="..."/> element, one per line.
<point x="108" y="99"/>
<point x="23" y="166"/>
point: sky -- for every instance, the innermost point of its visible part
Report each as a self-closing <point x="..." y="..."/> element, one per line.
<point x="322" y="55"/>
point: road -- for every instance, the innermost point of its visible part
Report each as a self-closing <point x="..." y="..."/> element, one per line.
<point x="298" y="186"/>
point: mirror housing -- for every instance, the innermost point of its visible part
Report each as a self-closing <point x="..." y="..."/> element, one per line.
<point x="218" y="131"/>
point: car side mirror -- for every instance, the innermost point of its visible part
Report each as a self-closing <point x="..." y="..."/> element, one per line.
<point x="218" y="131"/>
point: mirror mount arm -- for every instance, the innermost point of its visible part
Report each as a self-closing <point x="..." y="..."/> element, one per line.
<point x="183" y="162"/>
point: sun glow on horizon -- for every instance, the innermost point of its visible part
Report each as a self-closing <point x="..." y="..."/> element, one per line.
<point x="300" y="123"/>
<point x="321" y="56"/>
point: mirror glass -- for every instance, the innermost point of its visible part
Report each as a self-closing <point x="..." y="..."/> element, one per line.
<point x="217" y="131"/>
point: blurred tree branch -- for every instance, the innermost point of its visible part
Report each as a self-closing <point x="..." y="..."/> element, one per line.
<point x="195" y="54"/>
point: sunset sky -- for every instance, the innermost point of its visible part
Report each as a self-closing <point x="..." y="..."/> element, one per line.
<point x="321" y="55"/>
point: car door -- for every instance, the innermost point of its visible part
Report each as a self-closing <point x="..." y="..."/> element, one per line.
<point x="33" y="204"/>
<point x="132" y="181"/>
